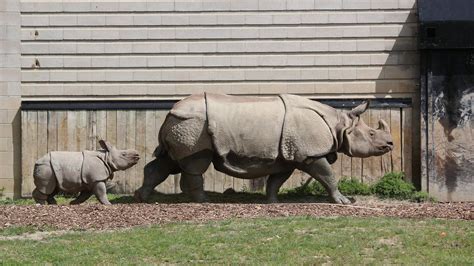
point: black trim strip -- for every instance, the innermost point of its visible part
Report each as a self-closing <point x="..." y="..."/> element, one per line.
<point x="168" y="104"/>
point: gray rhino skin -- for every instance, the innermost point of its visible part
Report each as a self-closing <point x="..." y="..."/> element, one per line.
<point x="251" y="137"/>
<point x="85" y="172"/>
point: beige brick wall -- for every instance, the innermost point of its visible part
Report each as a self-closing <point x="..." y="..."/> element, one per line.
<point x="170" y="48"/>
<point x="10" y="93"/>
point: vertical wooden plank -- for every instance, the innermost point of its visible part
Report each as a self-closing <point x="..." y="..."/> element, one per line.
<point x="29" y="154"/>
<point x="25" y="162"/>
<point x="91" y="128"/>
<point x="209" y="179"/>
<point x="140" y="145"/>
<point x="71" y="131"/>
<point x="372" y="166"/>
<point x="111" y="127"/>
<point x="111" y="133"/>
<point x="396" y="131"/>
<point x="238" y="184"/>
<point x="62" y="130"/>
<point x="228" y="182"/>
<point x="386" y="159"/>
<point x="376" y="160"/>
<point x="168" y="186"/>
<point x="101" y="125"/>
<point x="219" y="179"/>
<point x="346" y="162"/>
<point x="337" y="168"/>
<point x="151" y="141"/>
<point x="42" y="144"/>
<point x="52" y="131"/>
<point x="258" y="184"/>
<point x="131" y="173"/>
<point x="121" y="133"/>
<point x="176" y="178"/>
<point x="357" y="163"/>
<point x="81" y="130"/>
<point x="346" y="169"/>
<point x="407" y="143"/>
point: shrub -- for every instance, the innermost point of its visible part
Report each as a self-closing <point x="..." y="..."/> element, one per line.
<point x="310" y="188"/>
<point x="346" y="186"/>
<point x="353" y="187"/>
<point x="392" y="185"/>
<point x="422" y="196"/>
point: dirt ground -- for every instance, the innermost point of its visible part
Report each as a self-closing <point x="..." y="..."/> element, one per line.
<point x="95" y="216"/>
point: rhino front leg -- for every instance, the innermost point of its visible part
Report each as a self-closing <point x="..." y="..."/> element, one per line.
<point x="83" y="196"/>
<point x="320" y="169"/>
<point x="274" y="183"/>
<point x="100" y="191"/>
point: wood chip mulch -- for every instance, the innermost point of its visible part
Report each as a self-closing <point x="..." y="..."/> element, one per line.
<point x="95" y="216"/>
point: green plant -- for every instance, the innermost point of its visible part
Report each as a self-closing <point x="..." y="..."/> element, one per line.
<point x="422" y="196"/>
<point x="392" y="185"/>
<point x="309" y="188"/>
<point x="349" y="186"/>
<point x="346" y="186"/>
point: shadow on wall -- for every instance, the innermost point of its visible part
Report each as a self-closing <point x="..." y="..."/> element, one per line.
<point x="400" y="77"/>
<point x="16" y="134"/>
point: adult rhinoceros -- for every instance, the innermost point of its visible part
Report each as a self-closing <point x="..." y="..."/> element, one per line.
<point x="250" y="137"/>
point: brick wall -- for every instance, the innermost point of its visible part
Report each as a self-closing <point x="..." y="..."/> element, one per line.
<point x="10" y="94"/>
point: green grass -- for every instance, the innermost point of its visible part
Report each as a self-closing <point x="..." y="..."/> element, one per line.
<point x="17" y="230"/>
<point x="296" y="240"/>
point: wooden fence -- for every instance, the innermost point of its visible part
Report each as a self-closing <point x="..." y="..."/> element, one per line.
<point x="44" y="131"/>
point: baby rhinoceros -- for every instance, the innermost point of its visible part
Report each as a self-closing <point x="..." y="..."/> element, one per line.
<point x="85" y="172"/>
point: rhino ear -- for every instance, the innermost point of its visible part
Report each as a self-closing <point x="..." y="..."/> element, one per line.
<point x="105" y="145"/>
<point x="357" y="111"/>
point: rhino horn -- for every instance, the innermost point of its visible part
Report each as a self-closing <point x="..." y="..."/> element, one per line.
<point x="384" y="126"/>
<point x="357" y="111"/>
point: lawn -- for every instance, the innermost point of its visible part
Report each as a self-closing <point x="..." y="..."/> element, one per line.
<point x="290" y="240"/>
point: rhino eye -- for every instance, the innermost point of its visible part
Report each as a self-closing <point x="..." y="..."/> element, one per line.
<point x="372" y="133"/>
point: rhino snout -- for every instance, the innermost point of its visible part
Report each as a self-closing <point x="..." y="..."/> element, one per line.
<point x="387" y="147"/>
<point x="135" y="158"/>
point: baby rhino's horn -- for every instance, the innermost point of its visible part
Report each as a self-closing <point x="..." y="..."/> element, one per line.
<point x="384" y="126"/>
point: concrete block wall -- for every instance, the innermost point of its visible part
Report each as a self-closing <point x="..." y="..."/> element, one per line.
<point x="10" y="97"/>
<point x="171" y="48"/>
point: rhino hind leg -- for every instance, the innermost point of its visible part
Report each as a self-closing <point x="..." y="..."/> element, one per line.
<point x="83" y="196"/>
<point x="193" y="167"/>
<point x="155" y="173"/>
<point x="45" y="181"/>
<point x="39" y="197"/>
<point x="274" y="183"/>
<point x="51" y="200"/>
<point x="320" y="169"/>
